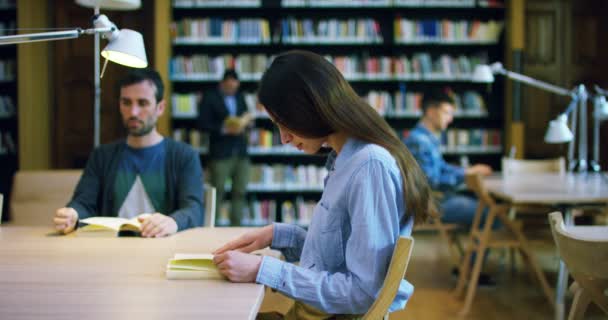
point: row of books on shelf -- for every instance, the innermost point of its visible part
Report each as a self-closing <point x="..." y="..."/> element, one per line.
<point x="7" y="107"/>
<point x="399" y="103"/>
<point x="419" y="66"/>
<point x="7" y="28"/>
<point x="7" y="3"/>
<point x="219" y="31"/>
<point x="409" y="104"/>
<point x="334" y="3"/>
<point x="396" y="3"/>
<point x="214" y="31"/>
<point x="446" y="31"/>
<point x="330" y="31"/>
<point x="7" y="143"/>
<point x="286" y="177"/>
<point x="216" y="3"/>
<point x="262" y="212"/>
<point x="7" y="70"/>
<point x="468" y="140"/>
<point x="204" y="67"/>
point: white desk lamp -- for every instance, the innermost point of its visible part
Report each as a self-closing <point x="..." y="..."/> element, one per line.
<point x="125" y="47"/>
<point x="558" y="131"/>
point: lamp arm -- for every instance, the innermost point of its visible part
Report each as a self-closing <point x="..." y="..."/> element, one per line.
<point x="51" y="35"/>
<point x="535" y="83"/>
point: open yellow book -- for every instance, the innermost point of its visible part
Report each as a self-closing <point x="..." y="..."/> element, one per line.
<point x="122" y="226"/>
<point x="196" y="266"/>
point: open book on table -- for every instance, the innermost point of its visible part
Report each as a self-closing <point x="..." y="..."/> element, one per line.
<point x="192" y="266"/>
<point x="122" y="226"/>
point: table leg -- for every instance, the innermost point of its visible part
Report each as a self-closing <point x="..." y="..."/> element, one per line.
<point x="562" y="276"/>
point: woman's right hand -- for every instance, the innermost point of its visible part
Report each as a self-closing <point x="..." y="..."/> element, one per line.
<point x="250" y="241"/>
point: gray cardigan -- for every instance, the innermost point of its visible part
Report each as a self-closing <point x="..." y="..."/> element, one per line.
<point x="183" y="175"/>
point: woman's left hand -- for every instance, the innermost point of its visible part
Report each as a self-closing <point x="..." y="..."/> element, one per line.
<point x="238" y="266"/>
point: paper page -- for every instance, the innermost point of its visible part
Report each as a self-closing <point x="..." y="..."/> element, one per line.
<point x="113" y="223"/>
<point x="185" y="261"/>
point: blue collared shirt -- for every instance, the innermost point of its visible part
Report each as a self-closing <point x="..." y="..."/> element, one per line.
<point x="426" y="148"/>
<point x="345" y="254"/>
<point x="230" y="102"/>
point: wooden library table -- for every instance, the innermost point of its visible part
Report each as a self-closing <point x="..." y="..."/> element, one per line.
<point x="565" y="192"/>
<point x="100" y="276"/>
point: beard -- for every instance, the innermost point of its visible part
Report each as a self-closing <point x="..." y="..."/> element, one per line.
<point x="146" y="127"/>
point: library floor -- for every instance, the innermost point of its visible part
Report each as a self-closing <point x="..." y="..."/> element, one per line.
<point x="516" y="295"/>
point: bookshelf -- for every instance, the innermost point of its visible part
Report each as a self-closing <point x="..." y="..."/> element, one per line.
<point x="389" y="50"/>
<point x="8" y="101"/>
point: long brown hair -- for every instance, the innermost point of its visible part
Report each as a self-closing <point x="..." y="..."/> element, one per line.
<point x="306" y="94"/>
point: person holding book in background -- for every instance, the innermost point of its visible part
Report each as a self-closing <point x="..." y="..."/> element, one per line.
<point x="372" y="195"/>
<point x="424" y="142"/>
<point x="144" y="173"/>
<point x="223" y="113"/>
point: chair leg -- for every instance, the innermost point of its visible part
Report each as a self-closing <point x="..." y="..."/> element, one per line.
<point x="463" y="270"/>
<point x="579" y="304"/>
<point x="482" y="246"/>
<point x="472" y="287"/>
<point x="535" y="268"/>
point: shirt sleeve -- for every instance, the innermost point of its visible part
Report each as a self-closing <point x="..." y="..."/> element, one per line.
<point x="440" y="174"/>
<point x="190" y="212"/>
<point x="84" y="199"/>
<point x="289" y="239"/>
<point x="373" y="209"/>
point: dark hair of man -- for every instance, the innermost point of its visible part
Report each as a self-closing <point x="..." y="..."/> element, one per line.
<point x="433" y="99"/>
<point x="135" y="76"/>
<point x="306" y="94"/>
<point x="230" y="74"/>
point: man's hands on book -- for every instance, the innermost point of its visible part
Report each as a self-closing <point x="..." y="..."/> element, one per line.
<point x="157" y="225"/>
<point x="234" y="259"/>
<point x="65" y="220"/>
<point x="236" y="125"/>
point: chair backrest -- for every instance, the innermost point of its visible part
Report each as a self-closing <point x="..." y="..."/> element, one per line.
<point x="394" y="275"/>
<point x="209" y="198"/>
<point x="37" y="194"/>
<point x="475" y="183"/>
<point x="585" y="253"/>
<point x="512" y="166"/>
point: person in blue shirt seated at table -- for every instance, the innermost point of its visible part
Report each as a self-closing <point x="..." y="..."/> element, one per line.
<point x="374" y="192"/>
<point x="146" y="173"/>
<point x="424" y="142"/>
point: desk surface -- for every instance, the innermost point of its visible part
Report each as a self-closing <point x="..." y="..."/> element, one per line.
<point x="550" y="188"/>
<point x="92" y="277"/>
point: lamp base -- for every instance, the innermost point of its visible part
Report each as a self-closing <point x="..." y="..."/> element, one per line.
<point x="594" y="166"/>
<point x="579" y="165"/>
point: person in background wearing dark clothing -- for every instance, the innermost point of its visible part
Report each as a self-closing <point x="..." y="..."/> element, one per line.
<point x="223" y="113"/>
<point x="144" y="173"/>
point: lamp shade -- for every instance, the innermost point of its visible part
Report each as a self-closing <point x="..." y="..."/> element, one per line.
<point x="558" y="131"/>
<point x="483" y="73"/>
<point x="111" y="4"/>
<point x="127" y="48"/>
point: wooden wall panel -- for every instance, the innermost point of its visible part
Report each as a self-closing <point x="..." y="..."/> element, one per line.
<point x="74" y="81"/>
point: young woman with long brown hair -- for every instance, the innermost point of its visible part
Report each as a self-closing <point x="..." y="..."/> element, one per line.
<point x="373" y="194"/>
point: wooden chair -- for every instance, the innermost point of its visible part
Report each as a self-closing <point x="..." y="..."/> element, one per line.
<point x="396" y="272"/>
<point x="37" y="194"/>
<point x="584" y="250"/>
<point x="209" y="197"/>
<point x="518" y="166"/>
<point x="447" y="232"/>
<point x="483" y="237"/>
